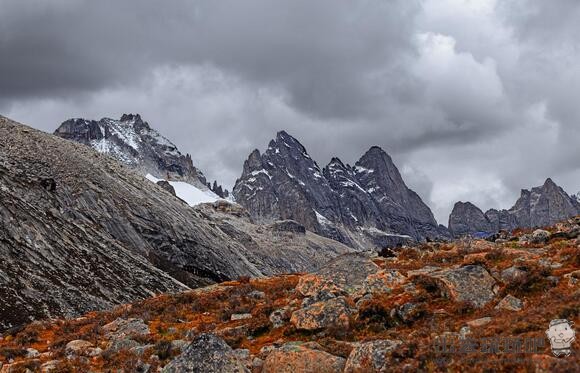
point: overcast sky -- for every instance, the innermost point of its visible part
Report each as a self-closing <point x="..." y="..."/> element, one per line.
<point x="473" y="99"/>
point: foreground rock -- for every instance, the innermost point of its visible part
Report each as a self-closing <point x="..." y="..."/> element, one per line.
<point x="297" y="357"/>
<point x="121" y="328"/>
<point x="333" y="313"/>
<point x="510" y="303"/>
<point x="348" y="272"/>
<point x="370" y="357"/>
<point x="472" y="284"/>
<point x="209" y="354"/>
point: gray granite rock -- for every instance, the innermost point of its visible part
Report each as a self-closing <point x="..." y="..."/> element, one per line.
<point x="209" y="354"/>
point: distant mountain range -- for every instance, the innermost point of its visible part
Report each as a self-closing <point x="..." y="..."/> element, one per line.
<point x="541" y="206"/>
<point x="367" y="205"/>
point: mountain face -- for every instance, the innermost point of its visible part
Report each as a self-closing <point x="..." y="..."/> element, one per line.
<point x="466" y="218"/>
<point x="80" y="232"/>
<point x="133" y="142"/>
<point x="364" y="206"/>
<point x="541" y="206"/>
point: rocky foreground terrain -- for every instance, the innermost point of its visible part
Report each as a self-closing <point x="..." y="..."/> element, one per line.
<point x="467" y="305"/>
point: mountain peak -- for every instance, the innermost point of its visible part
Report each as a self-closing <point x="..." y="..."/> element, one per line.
<point x="549" y="183"/>
<point x="287" y="139"/>
<point x="460" y="204"/>
<point x="536" y="207"/>
<point x="130" y="117"/>
<point x="335" y="161"/>
<point x="133" y="142"/>
<point x="282" y="134"/>
<point x="375" y="152"/>
<point x="339" y="200"/>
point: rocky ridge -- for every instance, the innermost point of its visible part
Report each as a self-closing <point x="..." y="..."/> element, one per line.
<point x="539" y="207"/>
<point x="133" y="142"/>
<point x="365" y="206"/>
<point x="409" y="312"/>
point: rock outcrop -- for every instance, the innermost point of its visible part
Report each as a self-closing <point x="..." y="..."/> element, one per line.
<point x="471" y="284"/>
<point x="541" y="206"/>
<point x="207" y="353"/>
<point x="365" y="206"/>
<point x="544" y="205"/>
<point x="466" y="218"/>
<point x="298" y="357"/>
<point x="371" y="356"/>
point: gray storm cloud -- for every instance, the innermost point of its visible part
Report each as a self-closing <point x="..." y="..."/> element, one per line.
<point x="473" y="99"/>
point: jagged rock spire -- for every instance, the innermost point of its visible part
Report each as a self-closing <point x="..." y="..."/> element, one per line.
<point x="340" y="201"/>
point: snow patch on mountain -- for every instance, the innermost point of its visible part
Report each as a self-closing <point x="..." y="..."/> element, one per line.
<point x="189" y="193"/>
<point x="322" y="219"/>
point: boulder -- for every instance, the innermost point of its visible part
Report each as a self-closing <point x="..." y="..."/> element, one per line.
<point x="32" y="353"/>
<point x="479" y="322"/>
<point x="510" y="303"/>
<point x="236" y="332"/>
<point x="321" y="296"/>
<point x="257" y="295"/>
<point x="278" y="318"/>
<point x="513" y="274"/>
<point x="77" y="347"/>
<point x="209" y="354"/>
<point x="349" y="271"/>
<point x="472" y="284"/>
<point x="49" y="366"/>
<point x="121" y="328"/>
<point x="369" y="357"/>
<point x="540" y="236"/>
<point x="240" y="316"/>
<point x="298" y="357"/>
<point x="422" y="271"/>
<point x="536" y="237"/>
<point x="121" y="344"/>
<point x="309" y="285"/>
<point x="383" y="281"/>
<point x="179" y="345"/>
<point x="331" y="313"/>
<point x="409" y="312"/>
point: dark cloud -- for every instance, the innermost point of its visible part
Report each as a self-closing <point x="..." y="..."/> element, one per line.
<point x="474" y="99"/>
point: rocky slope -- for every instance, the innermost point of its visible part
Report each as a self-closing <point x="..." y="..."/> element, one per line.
<point x="80" y="231"/>
<point x="538" y="207"/>
<point x="468" y="305"/>
<point x="133" y="142"/>
<point x="280" y="247"/>
<point x="365" y="206"/>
